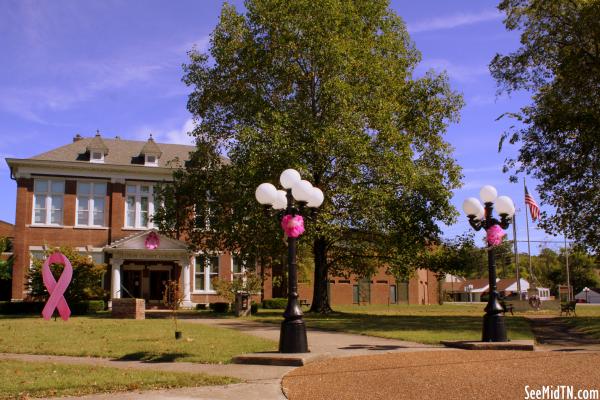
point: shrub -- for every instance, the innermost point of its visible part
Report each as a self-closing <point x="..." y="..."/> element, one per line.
<point x="85" y="284"/>
<point x="201" y="306"/>
<point x="253" y="308"/>
<point x="277" y="302"/>
<point x="219" y="307"/>
<point x="36" y="307"/>
<point x="87" y="307"/>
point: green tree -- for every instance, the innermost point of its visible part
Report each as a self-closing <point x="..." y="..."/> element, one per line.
<point x="327" y="88"/>
<point x="86" y="281"/>
<point x="581" y="271"/>
<point x="6" y="265"/>
<point x="559" y="63"/>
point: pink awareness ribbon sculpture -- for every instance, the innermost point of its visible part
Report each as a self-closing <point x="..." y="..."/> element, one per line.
<point x="57" y="289"/>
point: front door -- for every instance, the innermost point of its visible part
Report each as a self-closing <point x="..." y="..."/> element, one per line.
<point x="132" y="284"/>
<point x="158" y="280"/>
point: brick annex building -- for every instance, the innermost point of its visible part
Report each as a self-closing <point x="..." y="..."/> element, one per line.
<point x="97" y="195"/>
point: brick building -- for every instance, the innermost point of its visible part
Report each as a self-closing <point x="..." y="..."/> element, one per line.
<point x="96" y="195"/>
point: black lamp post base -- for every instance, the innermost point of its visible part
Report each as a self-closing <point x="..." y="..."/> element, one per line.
<point x="494" y="329"/>
<point x="292" y="338"/>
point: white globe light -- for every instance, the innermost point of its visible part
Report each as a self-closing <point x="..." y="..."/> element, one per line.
<point x="280" y="202"/>
<point x="481" y="213"/>
<point x="505" y="205"/>
<point x="302" y="190"/>
<point x="472" y="206"/>
<point x="288" y="178"/>
<point x="488" y="194"/>
<point x="265" y="193"/>
<point x="316" y="198"/>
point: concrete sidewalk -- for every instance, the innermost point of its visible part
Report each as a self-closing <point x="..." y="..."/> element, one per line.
<point x="261" y="382"/>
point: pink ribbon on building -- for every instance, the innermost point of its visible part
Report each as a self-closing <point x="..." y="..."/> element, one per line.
<point x="152" y="241"/>
<point x="57" y="289"/>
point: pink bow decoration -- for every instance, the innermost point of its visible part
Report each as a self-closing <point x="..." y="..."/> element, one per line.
<point x="293" y="225"/>
<point x="57" y="289"/>
<point x="495" y="235"/>
<point x="152" y="241"/>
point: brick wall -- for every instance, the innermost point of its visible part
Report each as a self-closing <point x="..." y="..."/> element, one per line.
<point x="128" y="308"/>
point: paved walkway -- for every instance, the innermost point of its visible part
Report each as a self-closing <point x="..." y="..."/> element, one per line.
<point x="442" y="375"/>
<point x="261" y="382"/>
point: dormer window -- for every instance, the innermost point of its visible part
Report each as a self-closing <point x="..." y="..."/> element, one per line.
<point x="151" y="161"/>
<point x="97" y="149"/>
<point x="97" y="156"/>
<point x="151" y="153"/>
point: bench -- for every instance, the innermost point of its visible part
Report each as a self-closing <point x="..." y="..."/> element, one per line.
<point x="304" y="303"/>
<point x="568" y="308"/>
<point x="507" y="307"/>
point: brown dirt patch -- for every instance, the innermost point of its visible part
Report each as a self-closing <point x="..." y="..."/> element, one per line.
<point x="442" y="375"/>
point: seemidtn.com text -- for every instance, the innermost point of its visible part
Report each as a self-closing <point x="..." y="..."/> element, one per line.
<point x="560" y="392"/>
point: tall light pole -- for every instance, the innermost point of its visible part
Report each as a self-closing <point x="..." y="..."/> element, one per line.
<point x="494" y="329"/>
<point x="291" y="202"/>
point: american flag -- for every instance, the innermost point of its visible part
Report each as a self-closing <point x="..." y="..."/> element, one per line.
<point x="534" y="209"/>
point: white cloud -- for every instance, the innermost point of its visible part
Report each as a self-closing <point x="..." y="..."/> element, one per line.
<point x="453" y="21"/>
<point x="461" y="73"/>
<point x="165" y="133"/>
<point x="489" y="168"/>
<point x="181" y="136"/>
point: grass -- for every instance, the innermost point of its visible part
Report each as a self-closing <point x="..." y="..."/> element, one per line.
<point x="587" y="320"/>
<point x="416" y="323"/>
<point x="147" y="340"/>
<point x="19" y="379"/>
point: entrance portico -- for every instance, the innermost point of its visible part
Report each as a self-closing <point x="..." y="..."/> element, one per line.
<point x="142" y="263"/>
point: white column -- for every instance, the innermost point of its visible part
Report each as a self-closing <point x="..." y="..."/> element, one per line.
<point x="187" y="298"/>
<point x="116" y="279"/>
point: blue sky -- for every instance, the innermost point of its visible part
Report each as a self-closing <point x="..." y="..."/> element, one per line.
<point x="73" y="67"/>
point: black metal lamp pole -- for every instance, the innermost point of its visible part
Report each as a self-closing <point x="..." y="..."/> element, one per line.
<point x="292" y="337"/>
<point x="494" y="328"/>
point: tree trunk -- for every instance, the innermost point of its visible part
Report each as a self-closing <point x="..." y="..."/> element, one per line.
<point x="320" y="302"/>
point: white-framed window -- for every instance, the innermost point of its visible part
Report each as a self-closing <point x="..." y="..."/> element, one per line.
<point x="151" y="160"/>
<point x="206" y="269"/>
<point x="48" y="196"/>
<point x="238" y="266"/>
<point x="139" y="205"/>
<point x="91" y="199"/>
<point x="97" y="156"/>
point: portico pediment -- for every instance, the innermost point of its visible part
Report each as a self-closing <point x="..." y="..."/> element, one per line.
<point x="148" y="244"/>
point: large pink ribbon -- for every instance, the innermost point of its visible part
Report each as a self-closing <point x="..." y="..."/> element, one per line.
<point x="57" y="289"/>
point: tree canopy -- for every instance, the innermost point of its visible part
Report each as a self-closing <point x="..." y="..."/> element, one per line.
<point x="327" y="88"/>
<point x="559" y="63"/>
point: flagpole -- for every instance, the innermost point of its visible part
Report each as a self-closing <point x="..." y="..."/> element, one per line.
<point x="569" y="297"/>
<point x="516" y="255"/>
<point x="528" y="241"/>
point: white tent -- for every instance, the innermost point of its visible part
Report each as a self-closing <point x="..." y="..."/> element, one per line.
<point x="589" y="295"/>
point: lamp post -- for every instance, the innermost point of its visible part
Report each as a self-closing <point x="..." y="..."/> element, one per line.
<point x="290" y="203"/>
<point x="587" y="291"/>
<point x="494" y="329"/>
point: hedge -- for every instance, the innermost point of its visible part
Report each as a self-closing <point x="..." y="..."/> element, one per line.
<point x="219" y="307"/>
<point x="36" y="307"/>
<point x="277" y="302"/>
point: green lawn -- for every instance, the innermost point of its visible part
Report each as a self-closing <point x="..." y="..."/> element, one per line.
<point x="417" y="323"/>
<point x="19" y="379"/>
<point x="149" y="340"/>
<point x="586" y="321"/>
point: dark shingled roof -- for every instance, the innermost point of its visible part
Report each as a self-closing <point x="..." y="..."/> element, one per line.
<point x="120" y="152"/>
